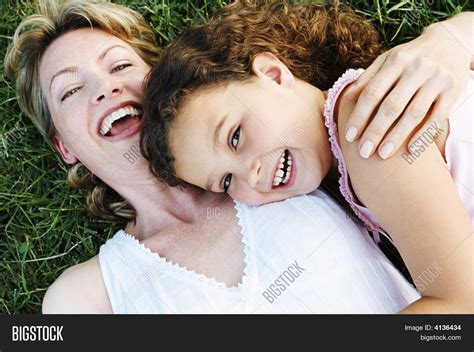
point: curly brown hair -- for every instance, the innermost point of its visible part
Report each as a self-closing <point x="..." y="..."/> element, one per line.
<point x="317" y="42"/>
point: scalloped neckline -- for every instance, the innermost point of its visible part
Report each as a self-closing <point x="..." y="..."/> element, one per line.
<point x="200" y="277"/>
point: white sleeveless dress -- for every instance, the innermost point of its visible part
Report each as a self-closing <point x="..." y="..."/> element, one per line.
<point x="302" y="255"/>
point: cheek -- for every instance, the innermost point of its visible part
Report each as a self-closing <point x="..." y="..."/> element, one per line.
<point x="139" y="78"/>
<point x="262" y="139"/>
<point x="72" y="124"/>
<point x="137" y="85"/>
<point x="245" y="195"/>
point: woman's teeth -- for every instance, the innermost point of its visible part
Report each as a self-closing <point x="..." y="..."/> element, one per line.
<point x="283" y="173"/>
<point x="117" y="115"/>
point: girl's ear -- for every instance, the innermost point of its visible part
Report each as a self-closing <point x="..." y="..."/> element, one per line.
<point x="267" y="66"/>
<point x="67" y="156"/>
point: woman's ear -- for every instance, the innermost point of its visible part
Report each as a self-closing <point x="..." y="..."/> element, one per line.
<point x="67" y="156"/>
<point x="267" y="66"/>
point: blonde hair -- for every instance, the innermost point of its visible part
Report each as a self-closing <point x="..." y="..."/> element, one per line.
<point x="31" y="39"/>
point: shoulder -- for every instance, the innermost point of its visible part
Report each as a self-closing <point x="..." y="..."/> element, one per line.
<point x="79" y="289"/>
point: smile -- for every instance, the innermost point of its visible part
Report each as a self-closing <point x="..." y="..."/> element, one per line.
<point x="120" y="120"/>
<point x="283" y="171"/>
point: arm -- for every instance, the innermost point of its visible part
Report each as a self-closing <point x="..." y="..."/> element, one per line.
<point x="407" y="80"/>
<point x="461" y="27"/>
<point x="78" y="290"/>
<point x="419" y="206"/>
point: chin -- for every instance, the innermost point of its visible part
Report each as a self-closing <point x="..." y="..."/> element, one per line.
<point x="315" y="187"/>
<point x="261" y="201"/>
<point x="270" y="198"/>
<point x="309" y="186"/>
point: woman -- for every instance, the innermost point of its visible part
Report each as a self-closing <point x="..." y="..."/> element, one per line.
<point x="196" y="230"/>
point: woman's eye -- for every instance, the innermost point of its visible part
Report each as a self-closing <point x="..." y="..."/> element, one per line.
<point x="235" y="138"/>
<point x="227" y="181"/>
<point x="121" y="67"/>
<point x="69" y="93"/>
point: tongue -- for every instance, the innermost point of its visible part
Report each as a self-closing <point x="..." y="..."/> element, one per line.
<point x="123" y="124"/>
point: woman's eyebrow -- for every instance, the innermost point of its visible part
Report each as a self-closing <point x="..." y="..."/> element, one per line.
<point x="74" y="69"/>
<point x="61" y="72"/>
<point x="101" y="56"/>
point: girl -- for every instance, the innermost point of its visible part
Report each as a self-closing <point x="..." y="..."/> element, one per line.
<point x="272" y="134"/>
<point x="249" y="120"/>
<point x="172" y="256"/>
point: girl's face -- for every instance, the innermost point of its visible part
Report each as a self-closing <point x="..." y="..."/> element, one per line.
<point x="261" y="140"/>
<point x="92" y="82"/>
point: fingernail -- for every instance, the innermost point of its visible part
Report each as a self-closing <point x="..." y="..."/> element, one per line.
<point x="366" y="149"/>
<point x="386" y="150"/>
<point x="351" y="133"/>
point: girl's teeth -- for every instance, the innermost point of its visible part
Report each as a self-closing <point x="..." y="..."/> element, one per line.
<point x="278" y="178"/>
<point x="288" y="173"/>
<point x="276" y="181"/>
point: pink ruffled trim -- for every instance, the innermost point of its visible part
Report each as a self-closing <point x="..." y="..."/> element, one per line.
<point x="348" y="77"/>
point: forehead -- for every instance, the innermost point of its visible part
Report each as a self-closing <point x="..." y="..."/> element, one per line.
<point x="75" y="48"/>
<point x="202" y="105"/>
<point x="191" y="134"/>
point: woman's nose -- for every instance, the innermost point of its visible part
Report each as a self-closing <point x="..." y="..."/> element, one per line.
<point x="254" y="173"/>
<point x="107" y="88"/>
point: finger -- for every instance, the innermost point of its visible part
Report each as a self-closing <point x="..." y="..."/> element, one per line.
<point x="440" y="113"/>
<point x="369" y="99"/>
<point x="391" y="109"/>
<point x="413" y="116"/>
<point x="353" y="92"/>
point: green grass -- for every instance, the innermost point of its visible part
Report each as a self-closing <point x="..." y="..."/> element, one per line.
<point x="44" y="225"/>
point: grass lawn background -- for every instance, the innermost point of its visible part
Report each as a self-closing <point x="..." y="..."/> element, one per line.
<point x="44" y="224"/>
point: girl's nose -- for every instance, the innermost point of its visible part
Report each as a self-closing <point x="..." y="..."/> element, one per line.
<point x="254" y="173"/>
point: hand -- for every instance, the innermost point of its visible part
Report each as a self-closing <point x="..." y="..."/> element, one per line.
<point x="407" y="80"/>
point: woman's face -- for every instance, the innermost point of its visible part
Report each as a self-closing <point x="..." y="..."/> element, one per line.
<point x="261" y="141"/>
<point x="92" y="82"/>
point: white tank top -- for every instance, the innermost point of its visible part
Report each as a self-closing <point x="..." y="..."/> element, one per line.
<point x="302" y="255"/>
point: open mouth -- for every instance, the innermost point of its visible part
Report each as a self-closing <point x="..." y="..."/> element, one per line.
<point x="120" y="121"/>
<point x="283" y="170"/>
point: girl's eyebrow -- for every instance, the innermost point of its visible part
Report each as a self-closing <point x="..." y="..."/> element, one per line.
<point x="209" y="185"/>
<point x="217" y="132"/>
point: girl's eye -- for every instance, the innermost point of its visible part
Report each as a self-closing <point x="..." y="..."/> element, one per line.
<point x="69" y="93"/>
<point x="235" y="138"/>
<point x="121" y="67"/>
<point x="227" y="181"/>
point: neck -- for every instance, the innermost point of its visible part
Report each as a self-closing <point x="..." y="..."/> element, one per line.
<point x="159" y="206"/>
<point x="331" y="172"/>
